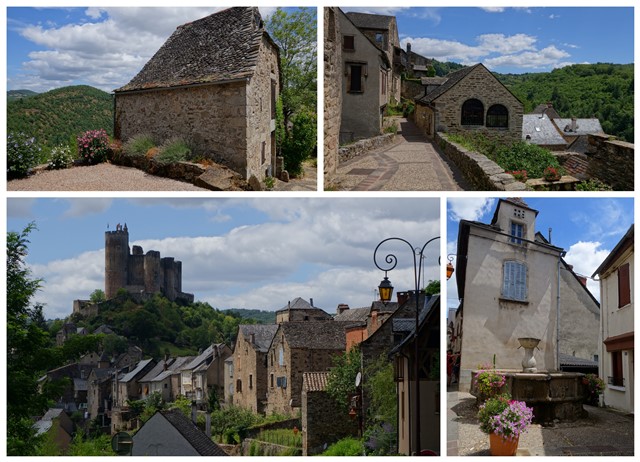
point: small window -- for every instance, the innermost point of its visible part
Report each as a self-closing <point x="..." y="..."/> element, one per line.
<point x="355" y="75"/>
<point x="517" y="231"/>
<point x="514" y="280"/>
<point x="624" y="287"/>
<point x="250" y="381"/>
<point x="616" y="378"/>
<point x="379" y="37"/>
<point x="274" y="97"/>
<point x="348" y="43"/>
<point x="239" y="385"/>
<point x="166" y="385"/>
<point x="498" y="116"/>
<point x="271" y="380"/>
<point x="472" y="112"/>
<point x="281" y="356"/>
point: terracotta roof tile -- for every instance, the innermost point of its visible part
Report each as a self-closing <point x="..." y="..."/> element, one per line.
<point x="315" y="381"/>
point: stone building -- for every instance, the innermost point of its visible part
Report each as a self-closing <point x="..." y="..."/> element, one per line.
<point x="332" y="91"/>
<point x="513" y="283"/>
<point x="247" y="375"/>
<point x="470" y="99"/>
<point x="365" y="89"/>
<point x="215" y="83"/>
<point x="323" y="422"/>
<point x="204" y="374"/>
<point x="296" y="348"/>
<point x="140" y="273"/>
<point x="382" y="31"/>
<point x="617" y="294"/>
<point x="300" y="310"/>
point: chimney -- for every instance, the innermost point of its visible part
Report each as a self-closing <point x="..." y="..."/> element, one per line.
<point x="207" y="428"/>
<point x="194" y="412"/>
<point x="582" y="279"/>
<point x="402" y="297"/>
<point x="253" y="338"/>
<point x="574" y="124"/>
<point x="311" y="301"/>
<point x="342" y="307"/>
<point x="409" y="49"/>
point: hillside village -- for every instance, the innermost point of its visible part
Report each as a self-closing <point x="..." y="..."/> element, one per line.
<point x="276" y="370"/>
<point x="467" y="114"/>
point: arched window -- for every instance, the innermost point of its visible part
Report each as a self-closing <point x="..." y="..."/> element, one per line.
<point x="498" y="116"/>
<point x="472" y="112"/>
<point x="514" y="280"/>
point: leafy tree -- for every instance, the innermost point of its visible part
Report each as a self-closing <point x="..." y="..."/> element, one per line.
<point x="299" y="142"/>
<point x="432" y="288"/>
<point x="97" y="296"/>
<point x="295" y="33"/>
<point x="183" y="404"/>
<point x="81" y="446"/>
<point x="231" y="422"/>
<point x="27" y="352"/>
<point x="77" y="346"/>
<point x="381" y="426"/>
<point x="341" y="383"/>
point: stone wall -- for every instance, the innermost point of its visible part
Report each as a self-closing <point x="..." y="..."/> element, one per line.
<point x="362" y="147"/>
<point x="249" y="366"/>
<point x="332" y="92"/>
<point x="214" y="117"/>
<point x="412" y="89"/>
<point x="483" y="173"/>
<point x="611" y="162"/>
<point x="323" y="422"/>
<point x="260" y="125"/>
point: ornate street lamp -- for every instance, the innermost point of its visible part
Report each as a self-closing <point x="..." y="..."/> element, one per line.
<point x="386" y="290"/>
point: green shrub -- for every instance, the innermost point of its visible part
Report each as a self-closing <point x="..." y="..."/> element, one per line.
<point x="345" y="447"/>
<point x="172" y="151"/>
<point x="138" y="145"/>
<point x="593" y="184"/>
<point x="283" y="437"/>
<point x="524" y="156"/>
<point x="93" y="146"/>
<point x="298" y="145"/>
<point x="60" y="157"/>
<point x="23" y="153"/>
<point x="393" y="128"/>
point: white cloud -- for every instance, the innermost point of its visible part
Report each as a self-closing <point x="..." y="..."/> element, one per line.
<point x="106" y="51"/>
<point x="554" y="16"/>
<point x="19" y="207"/>
<point x="494" y="9"/>
<point x="499" y="43"/>
<point x="82" y="207"/>
<point x="586" y="256"/>
<point x="469" y="208"/>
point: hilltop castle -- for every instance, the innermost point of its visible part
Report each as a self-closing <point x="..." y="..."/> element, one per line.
<point x="137" y="272"/>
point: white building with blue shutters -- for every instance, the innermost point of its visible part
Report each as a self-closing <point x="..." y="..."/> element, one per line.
<point x="513" y="283"/>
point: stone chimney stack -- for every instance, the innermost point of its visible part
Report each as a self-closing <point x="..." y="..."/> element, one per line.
<point x="253" y="338"/>
<point x="402" y="297"/>
<point x="574" y="124"/>
<point x="342" y="307"/>
<point x="311" y="301"/>
<point x="409" y="49"/>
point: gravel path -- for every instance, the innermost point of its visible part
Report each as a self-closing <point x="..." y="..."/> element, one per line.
<point x="101" y="177"/>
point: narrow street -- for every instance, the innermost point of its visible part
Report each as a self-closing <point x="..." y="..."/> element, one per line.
<point x="412" y="164"/>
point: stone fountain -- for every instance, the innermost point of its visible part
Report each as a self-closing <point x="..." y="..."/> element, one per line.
<point x="554" y="396"/>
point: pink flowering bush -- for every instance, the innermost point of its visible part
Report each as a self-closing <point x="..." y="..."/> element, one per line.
<point x="519" y="175"/>
<point x="505" y="417"/>
<point x="93" y="146"/>
<point x="551" y="174"/>
<point x="489" y="382"/>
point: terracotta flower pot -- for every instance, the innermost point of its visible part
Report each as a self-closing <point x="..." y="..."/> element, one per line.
<point x="500" y="446"/>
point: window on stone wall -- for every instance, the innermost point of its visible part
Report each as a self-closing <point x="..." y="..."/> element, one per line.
<point x="239" y="386"/>
<point x="355" y="77"/>
<point x="517" y="231"/>
<point x="514" y="282"/>
<point x="281" y="356"/>
<point x="472" y="112"/>
<point x="250" y="381"/>
<point x="273" y="99"/>
<point x="624" y="287"/>
<point x="498" y="116"/>
<point x="348" y="43"/>
<point x="271" y="380"/>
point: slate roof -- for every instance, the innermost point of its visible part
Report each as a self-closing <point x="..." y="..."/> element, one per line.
<point x="298" y="303"/>
<point x="157" y="369"/>
<point x="202" y="357"/>
<point x="220" y="47"/>
<point x="432" y="305"/>
<point x="200" y="442"/>
<point x="583" y="126"/>
<point x="316" y="335"/>
<point x="568" y="360"/>
<point x="403" y="325"/>
<point x="370" y="21"/>
<point x="432" y="80"/>
<point x="389" y="307"/>
<point x="263" y="334"/>
<point x="46" y="422"/>
<point x="139" y="367"/>
<point x="545" y="109"/>
<point x="315" y="381"/>
<point x="452" y="79"/>
<point x="353" y="314"/>
<point x="541" y="129"/>
<point x="80" y="384"/>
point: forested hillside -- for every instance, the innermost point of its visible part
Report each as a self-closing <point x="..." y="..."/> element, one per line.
<point x="598" y="90"/>
<point x="13" y="95"/>
<point x="58" y="115"/>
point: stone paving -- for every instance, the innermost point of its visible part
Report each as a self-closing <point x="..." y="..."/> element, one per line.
<point x="605" y="432"/>
<point x="411" y="164"/>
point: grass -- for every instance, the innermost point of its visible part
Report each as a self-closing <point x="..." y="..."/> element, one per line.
<point x="138" y="145"/>
<point x="283" y="437"/>
<point x="172" y="151"/>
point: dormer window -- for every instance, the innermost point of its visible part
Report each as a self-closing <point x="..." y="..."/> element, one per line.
<point x="517" y="232"/>
<point x="379" y="37"/>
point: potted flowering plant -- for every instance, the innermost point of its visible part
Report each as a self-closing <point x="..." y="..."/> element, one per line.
<point x="504" y="420"/>
<point x="519" y="175"/>
<point x="551" y="174"/>
<point x="595" y="387"/>
<point x="489" y="382"/>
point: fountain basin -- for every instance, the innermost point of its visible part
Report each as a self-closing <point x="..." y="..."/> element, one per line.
<point x="552" y="395"/>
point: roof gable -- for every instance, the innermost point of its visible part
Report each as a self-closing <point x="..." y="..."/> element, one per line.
<point x="327" y="335"/>
<point x="220" y="47"/>
<point x="263" y="334"/>
<point x="370" y="21"/>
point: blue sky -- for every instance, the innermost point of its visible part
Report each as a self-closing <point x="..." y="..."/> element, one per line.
<point x="236" y="253"/>
<point x="103" y="47"/>
<point x="587" y="228"/>
<point x="516" y="40"/>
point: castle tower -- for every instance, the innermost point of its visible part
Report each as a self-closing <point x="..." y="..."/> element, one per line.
<point x="168" y="267"/>
<point x="152" y="272"/>
<point x="116" y="253"/>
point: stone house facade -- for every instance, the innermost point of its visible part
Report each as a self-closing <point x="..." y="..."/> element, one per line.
<point x="323" y="423"/>
<point x="513" y="283"/>
<point x="365" y="90"/>
<point x="382" y="31"/>
<point x="294" y="351"/>
<point x="332" y="91"/>
<point x="214" y="83"/>
<point x="205" y="374"/>
<point x="617" y="294"/>
<point x="247" y="376"/>
<point x="300" y="310"/>
<point x="471" y="99"/>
